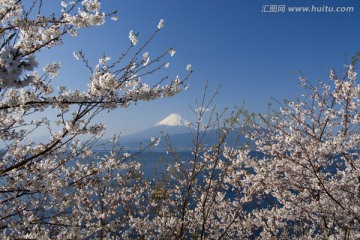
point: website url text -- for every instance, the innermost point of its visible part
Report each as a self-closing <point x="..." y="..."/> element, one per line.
<point x="308" y="9"/>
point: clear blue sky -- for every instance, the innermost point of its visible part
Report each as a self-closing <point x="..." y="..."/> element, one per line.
<point x="251" y="53"/>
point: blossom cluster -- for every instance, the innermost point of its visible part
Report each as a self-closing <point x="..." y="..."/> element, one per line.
<point x="311" y="162"/>
<point x="17" y="53"/>
<point x="13" y="65"/>
<point x="48" y="187"/>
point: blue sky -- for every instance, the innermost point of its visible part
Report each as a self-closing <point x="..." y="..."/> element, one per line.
<point x="254" y="55"/>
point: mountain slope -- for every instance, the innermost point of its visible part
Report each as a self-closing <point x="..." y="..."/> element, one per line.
<point x="171" y="125"/>
<point x="181" y="137"/>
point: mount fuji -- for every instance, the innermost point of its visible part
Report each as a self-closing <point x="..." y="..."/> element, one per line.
<point x="173" y="120"/>
<point x="179" y="131"/>
<point x="172" y="125"/>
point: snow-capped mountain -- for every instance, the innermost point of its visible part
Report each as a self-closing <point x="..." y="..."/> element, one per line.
<point x="181" y="134"/>
<point x="177" y="128"/>
<point x="172" y="125"/>
<point x="173" y="120"/>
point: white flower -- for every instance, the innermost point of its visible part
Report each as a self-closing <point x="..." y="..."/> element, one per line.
<point x="188" y="67"/>
<point x="77" y="55"/>
<point x="133" y="66"/>
<point x="13" y="64"/>
<point x="63" y="4"/>
<point x="332" y="75"/>
<point x="133" y="37"/>
<point x="166" y="65"/>
<point x="351" y="72"/>
<point x="53" y="69"/>
<point x="146" y="58"/>
<point x="32" y="62"/>
<point x="172" y="52"/>
<point x="92" y="6"/>
<point x="73" y="32"/>
<point x="161" y="24"/>
<point x="115" y="18"/>
<point x="156" y="141"/>
<point x="177" y="80"/>
<point x="104" y="59"/>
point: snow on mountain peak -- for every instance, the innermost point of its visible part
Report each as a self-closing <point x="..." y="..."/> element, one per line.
<point x="173" y="120"/>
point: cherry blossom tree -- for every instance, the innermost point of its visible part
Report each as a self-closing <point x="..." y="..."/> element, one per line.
<point x="308" y="176"/>
<point x="297" y="177"/>
<point x="60" y="188"/>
